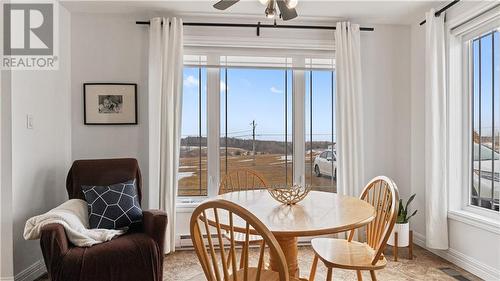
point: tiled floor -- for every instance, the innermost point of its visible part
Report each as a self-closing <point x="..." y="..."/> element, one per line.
<point x="184" y="266"/>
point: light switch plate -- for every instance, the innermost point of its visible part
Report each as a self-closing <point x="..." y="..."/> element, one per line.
<point x="29" y="121"/>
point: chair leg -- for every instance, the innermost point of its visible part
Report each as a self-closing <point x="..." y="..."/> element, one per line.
<point x="313" y="268"/>
<point x="228" y="262"/>
<point x="372" y="274"/>
<point x="243" y="257"/>
<point x="358" y="273"/>
<point x="329" y="274"/>
<point x="396" y="246"/>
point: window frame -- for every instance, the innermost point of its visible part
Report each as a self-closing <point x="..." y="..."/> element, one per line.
<point x="464" y="209"/>
<point x="199" y="71"/>
<point x="213" y="55"/>
<point x="311" y="94"/>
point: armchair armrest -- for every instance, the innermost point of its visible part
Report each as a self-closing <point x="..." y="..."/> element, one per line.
<point x="155" y="224"/>
<point x="54" y="245"/>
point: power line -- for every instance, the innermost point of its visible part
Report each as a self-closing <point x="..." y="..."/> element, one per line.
<point x="242" y="131"/>
<point x="240" y="136"/>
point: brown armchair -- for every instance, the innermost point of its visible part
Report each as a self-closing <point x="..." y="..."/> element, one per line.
<point x="137" y="255"/>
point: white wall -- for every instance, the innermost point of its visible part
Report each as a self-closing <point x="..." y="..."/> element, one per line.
<point x="474" y="248"/>
<point x="6" y="242"/>
<point x="40" y="156"/>
<point x="417" y="150"/>
<point x="385" y="56"/>
<point x="109" y="48"/>
<point x="6" y="251"/>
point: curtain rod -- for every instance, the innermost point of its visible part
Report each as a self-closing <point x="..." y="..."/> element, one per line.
<point x="438" y="13"/>
<point x="259" y="26"/>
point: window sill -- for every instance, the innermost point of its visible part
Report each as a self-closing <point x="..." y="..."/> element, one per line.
<point x="473" y="219"/>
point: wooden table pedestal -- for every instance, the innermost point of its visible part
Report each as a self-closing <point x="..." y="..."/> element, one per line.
<point x="290" y="249"/>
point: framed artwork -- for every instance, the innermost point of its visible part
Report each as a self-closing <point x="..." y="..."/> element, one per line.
<point x="109" y="104"/>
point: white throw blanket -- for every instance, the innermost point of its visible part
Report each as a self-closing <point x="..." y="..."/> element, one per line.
<point x="73" y="216"/>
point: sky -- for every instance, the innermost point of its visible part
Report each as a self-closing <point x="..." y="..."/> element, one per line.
<point x="258" y="94"/>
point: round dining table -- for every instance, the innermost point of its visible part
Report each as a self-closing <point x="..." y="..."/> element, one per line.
<point x="319" y="213"/>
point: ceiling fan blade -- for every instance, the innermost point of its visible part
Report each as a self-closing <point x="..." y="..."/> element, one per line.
<point x="224" y="4"/>
<point x="286" y="13"/>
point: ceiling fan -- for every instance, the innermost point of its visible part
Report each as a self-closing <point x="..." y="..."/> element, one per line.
<point x="286" y="7"/>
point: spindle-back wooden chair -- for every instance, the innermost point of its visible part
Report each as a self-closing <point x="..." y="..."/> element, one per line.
<point x="382" y="193"/>
<point x="208" y="223"/>
<point x="240" y="180"/>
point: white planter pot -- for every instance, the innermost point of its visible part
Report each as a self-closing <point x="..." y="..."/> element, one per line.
<point x="403" y="230"/>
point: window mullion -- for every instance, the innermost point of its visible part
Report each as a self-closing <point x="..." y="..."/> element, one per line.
<point x="471" y="88"/>
<point x="199" y="131"/>
<point x="286" y="127"/>
<point x="334" y="173"/>
<point x="298" y="121"/>
<point x="213" y="127"/>
<point x="492" y="202"/>
<point x="480" y="129"/>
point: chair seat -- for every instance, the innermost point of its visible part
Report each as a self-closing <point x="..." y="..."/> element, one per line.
<point x="240" y="238"/>
<point x="265" y="275"/>
<point x="340" y="253"/>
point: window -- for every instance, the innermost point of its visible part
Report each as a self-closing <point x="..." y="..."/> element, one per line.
<point x="484" y="52"/>
<point x="256" y="123"/>
<point x="193" y="154"/>
<point x="320" y="158"/>
<point x="253" y="105"/>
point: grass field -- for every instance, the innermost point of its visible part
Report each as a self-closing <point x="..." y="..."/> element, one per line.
<point x="272" y="167"/>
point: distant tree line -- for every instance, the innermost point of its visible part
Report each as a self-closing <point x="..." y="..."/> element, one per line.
<point x="261" y="146"/>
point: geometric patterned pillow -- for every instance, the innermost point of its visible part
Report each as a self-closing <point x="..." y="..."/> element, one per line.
<point x="114" y="206"/>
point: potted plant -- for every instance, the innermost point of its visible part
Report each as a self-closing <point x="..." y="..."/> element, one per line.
<point x="402" y="226"/>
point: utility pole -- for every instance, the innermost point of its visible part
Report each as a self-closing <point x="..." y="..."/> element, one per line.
<point x="253" y="140"/>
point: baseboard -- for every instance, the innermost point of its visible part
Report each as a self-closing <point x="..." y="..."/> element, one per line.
<point x="6" y="278"/>
<point x="468" y="263"/>
<point x="32" y="272"/>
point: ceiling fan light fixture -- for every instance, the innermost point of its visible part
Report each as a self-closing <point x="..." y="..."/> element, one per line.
<point x="291" y="3"/>
<point x="284" y="8"/>
<point x="271" y="9"/>
<point x="270" y="13"/>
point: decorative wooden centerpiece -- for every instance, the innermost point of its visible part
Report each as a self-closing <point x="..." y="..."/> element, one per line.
<point x="289" y="195"/>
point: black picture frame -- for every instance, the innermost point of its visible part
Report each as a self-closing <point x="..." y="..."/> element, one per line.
<point x="85" y="103"/>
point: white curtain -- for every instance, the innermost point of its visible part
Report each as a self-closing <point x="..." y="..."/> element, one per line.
<point x="436" y="200"/>
<point x="165" y="104"/>
<point x="349" y="109"/>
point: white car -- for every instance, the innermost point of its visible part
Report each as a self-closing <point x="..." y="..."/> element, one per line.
<point x="326" y="164"/>
<point x="485" y="178"/>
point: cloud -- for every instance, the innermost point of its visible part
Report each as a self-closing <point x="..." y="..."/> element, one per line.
<point x="276" y="90"/>
<point x="190" y="81"/>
